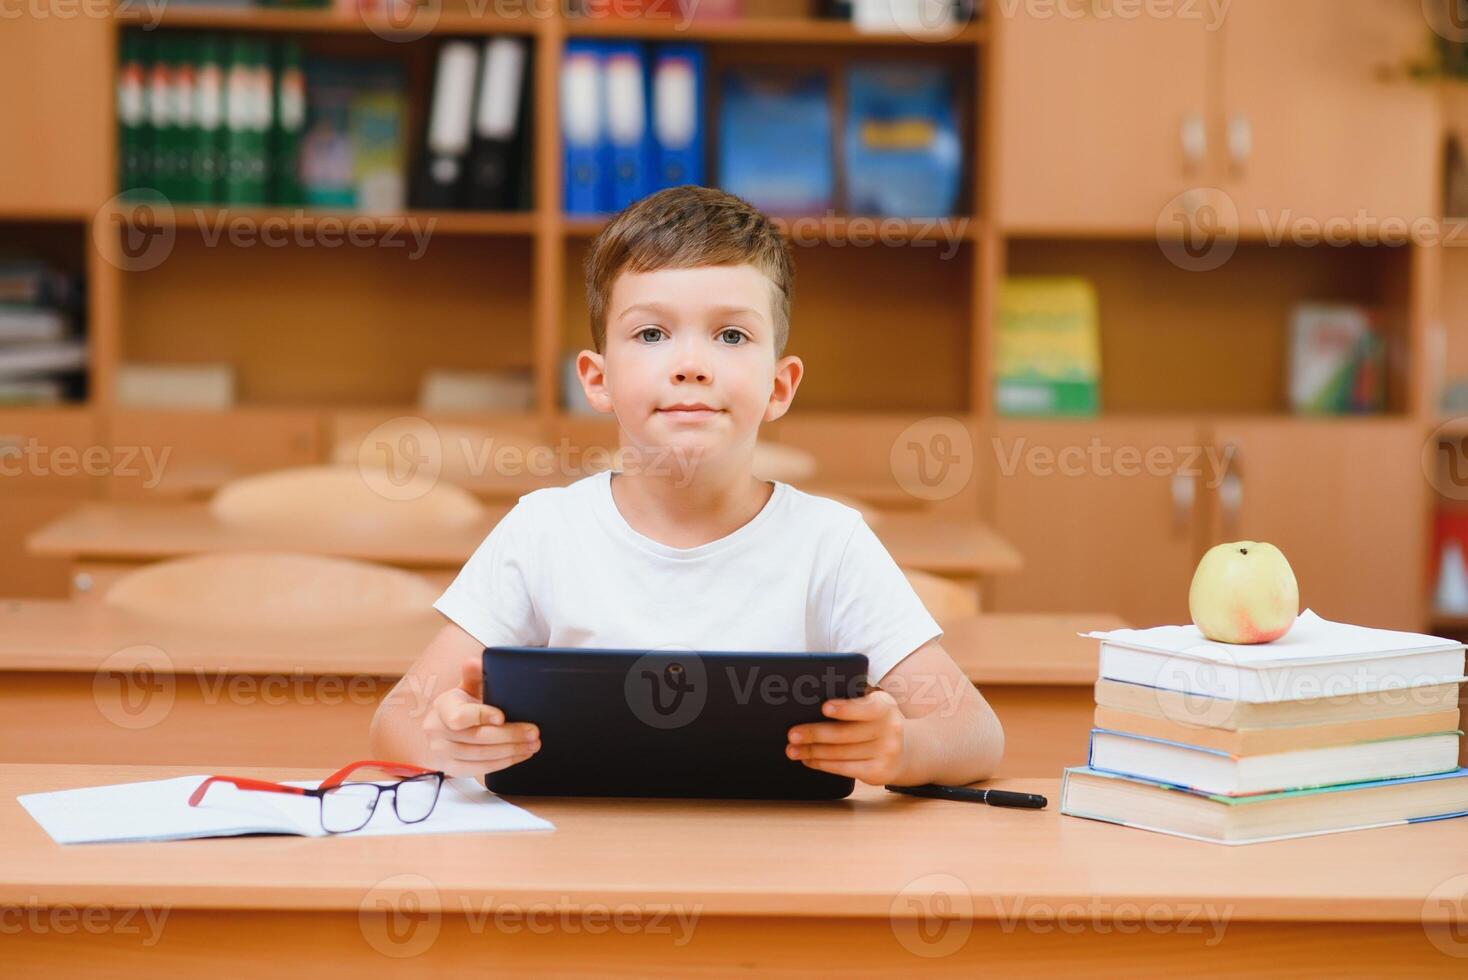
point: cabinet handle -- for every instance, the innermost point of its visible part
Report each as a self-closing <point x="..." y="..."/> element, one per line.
<point x="1240" y="142"/>
<point x="1195" y="142"/>
<point x="1184" y="494"/>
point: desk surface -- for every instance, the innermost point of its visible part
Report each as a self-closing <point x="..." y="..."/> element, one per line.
<point x="63" y="635"/>
<point x="69" y="636"/>
<point x="1028" y="648"/>
<point x="850" y="858"/>
<point x="131" y="532"/>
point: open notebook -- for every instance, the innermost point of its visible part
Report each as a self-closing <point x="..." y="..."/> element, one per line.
<point x="159" y="810"/>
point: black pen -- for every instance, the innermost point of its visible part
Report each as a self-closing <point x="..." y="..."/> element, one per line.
<point x="993" y="797"/>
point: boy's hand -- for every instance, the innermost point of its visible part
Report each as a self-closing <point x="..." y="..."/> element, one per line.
<point x="467" y="738"/>
<point x="866" y="740"/>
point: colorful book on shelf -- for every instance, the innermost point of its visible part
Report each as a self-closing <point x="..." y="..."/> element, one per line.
<point x="628" y="132"/>
<point x="775" y="140"/>
<point x="1047" y="348"/>
<point x="583" y="124"/>
<point x="1337" y="360"/>
<point x="1315" y="658"/>
<point x="1147" y="804"/>
<point x="677" y="115"/>
<point x="902" y="152"/>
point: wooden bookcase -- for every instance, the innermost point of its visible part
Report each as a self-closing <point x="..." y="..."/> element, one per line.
<point x="1072" y="158"/>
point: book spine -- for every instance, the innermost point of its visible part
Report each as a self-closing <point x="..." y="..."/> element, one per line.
<point x="289" y="124"/>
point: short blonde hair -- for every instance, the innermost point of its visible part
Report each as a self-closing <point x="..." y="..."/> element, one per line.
<point x="684" y="227"/>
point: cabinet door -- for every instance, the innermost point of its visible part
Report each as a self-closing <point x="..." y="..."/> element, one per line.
<point x="1347" y="503"/>
<point x="56" y="115"/>
<point x="1321" y="135"/>
<point x="1092" y="113"/>
<point x="1102" y="513"/>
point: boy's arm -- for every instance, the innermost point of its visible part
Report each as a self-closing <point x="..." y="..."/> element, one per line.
<point x="925" y="723"/>
<point x="435" y="717"/>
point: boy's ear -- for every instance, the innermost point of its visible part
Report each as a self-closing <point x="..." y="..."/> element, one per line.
<point x="788" y="372"/>
<point x="591" y="368"/>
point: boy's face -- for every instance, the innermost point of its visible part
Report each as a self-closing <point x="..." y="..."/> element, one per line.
<point x="689" y="361"/>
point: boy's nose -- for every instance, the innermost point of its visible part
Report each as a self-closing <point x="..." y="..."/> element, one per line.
<point x="691" y="370"/>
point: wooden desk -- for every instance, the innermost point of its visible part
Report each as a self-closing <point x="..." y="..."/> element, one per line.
<point x="306" y="698"/>
<point x="877" y="884"/>
<point x="80" y="681"/>
<point x="104" y="540"/>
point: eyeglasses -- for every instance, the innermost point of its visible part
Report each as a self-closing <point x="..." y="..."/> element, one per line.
<point x="345" y="806"/>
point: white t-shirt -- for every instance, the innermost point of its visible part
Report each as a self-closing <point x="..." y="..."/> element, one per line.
<point x="806" y="574"/>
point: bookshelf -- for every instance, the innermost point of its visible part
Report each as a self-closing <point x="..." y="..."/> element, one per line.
<point x="894" y="330"/>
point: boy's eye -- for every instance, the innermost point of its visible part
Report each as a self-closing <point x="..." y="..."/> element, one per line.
<point x="731" y="336"/>
<point x="649" y="335"/>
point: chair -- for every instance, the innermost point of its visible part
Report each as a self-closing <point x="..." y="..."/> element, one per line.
<point x="312" y="500"/>
<point x="266" y="590"/>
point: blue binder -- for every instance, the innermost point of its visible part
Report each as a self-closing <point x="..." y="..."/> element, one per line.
<point x="627" y="132"/>
<point x="582" y="128"/>
<point x="677" y="117"/>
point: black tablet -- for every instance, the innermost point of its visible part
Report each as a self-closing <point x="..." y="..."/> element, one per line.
<point x="667" y="723"/>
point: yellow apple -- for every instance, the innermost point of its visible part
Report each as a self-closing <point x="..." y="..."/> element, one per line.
<point x="1244" y="592"/>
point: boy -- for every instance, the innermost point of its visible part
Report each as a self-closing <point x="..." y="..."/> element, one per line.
<point x="689" y="295"/>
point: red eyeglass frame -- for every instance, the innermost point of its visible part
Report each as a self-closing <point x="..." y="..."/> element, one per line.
<point x="330" y="782"/>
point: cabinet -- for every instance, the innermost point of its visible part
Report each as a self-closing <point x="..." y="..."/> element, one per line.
<point x="1345" y="500"/>
<point x="1101" y="118"/>
<point x="1139" y="124"/>
<point x="56" y="73"/>
<point x="1309" y="129"/>
<point x="50" y="461"/>
<point x="1105" y="514"/>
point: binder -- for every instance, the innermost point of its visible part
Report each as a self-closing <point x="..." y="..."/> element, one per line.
<point x="677" y="117"/>
<point x="499" y="123"/>
<point x="440" y="179"/>
<point x="290" y="123"/>
<point x="583" y="165"/>
<point x="237" y="184"/>
<point x="161" y="119"/>
<point x="627" y="134"/>
<point x="204" y="145"/>
<point x="133" y="155"/>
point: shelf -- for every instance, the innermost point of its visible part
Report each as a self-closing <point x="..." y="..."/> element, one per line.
<point x="774" y="30"/>
<point x="327" y="22"/>
<point x="838" y="228"/>
<point x="202" y="217"/>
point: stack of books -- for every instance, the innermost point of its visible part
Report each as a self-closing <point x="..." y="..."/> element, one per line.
<point x="43" y="355"/>
<point x="1332" y="727"/>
